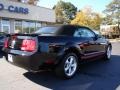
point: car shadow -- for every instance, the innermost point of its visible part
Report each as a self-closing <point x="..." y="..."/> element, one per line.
<point x="97" y="75"/>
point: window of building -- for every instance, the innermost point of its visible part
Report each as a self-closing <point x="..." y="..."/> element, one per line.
<point x="28" y="27"/>
<point x="18" y="26"/>
<point x="5" y="26"/>
<point x="38" y="26"/>
<point x="31" y="27"/>
<point x="25" y="27"/>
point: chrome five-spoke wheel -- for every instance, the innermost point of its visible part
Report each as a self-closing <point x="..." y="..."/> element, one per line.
<point x="70" y="65"/>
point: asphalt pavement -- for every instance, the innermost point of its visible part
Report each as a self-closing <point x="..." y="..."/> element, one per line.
<point x="97" y="75"/>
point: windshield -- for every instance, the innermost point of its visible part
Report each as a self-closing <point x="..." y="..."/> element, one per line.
<point x="96" y="32"/>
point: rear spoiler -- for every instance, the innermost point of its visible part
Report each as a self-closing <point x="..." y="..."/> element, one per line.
<point x="21" y="34"/>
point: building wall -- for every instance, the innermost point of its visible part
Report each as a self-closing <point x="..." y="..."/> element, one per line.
<point x="11" y="22"/>
<point x="36" y="13"/>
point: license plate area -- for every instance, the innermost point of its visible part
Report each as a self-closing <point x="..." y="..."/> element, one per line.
<point x="10" y="58"/>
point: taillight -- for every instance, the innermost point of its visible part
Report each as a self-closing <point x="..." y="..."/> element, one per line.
<point x="28" y="45"/>
<point x="6" y="43"/>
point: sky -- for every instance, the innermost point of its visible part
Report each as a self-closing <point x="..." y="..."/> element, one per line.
<point x="96" y="5"/>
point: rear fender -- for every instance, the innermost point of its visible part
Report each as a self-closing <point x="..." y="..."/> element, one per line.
<point x="69" y="47"/>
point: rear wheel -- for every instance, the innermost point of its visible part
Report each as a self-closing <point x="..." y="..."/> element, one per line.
<point x="108" y="53"/>
<point x="68" y="67"/>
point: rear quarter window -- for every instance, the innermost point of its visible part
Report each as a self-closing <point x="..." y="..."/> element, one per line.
<point x="66" y="30"/>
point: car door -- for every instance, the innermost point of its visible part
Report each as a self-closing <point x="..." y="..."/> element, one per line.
<point x="101" y="44"/>
<point x="88" y="44"/>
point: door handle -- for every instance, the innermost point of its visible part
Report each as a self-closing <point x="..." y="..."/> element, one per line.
<point x="86" y="43"/>
<point x="91" y="42"/>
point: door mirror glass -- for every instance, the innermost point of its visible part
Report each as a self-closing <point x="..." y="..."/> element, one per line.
<point x="98" y="36"/>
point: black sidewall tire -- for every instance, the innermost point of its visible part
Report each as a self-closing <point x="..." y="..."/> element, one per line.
<point x="59" y="70"/>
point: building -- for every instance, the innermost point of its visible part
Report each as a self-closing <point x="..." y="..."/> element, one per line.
<point x="19" y="17"/>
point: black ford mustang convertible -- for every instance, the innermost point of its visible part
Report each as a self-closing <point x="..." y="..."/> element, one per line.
<point x="59" y="48"/>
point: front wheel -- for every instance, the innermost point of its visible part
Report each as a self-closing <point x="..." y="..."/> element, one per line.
<point x="68" y="67"/>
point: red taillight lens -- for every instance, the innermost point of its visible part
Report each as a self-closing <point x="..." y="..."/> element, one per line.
<point x="6" y="43"/>
<point x="28" y="45"/>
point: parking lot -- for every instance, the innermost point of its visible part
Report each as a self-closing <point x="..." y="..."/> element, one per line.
<point x="97" y="75"/>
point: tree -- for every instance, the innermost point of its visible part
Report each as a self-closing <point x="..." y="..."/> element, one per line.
<point x="107" y="20"/>
<point x="65" y="11"/>
<point x="33" y="2"/>
<point x="113" y="12"/>
<point x="90" y="19"/>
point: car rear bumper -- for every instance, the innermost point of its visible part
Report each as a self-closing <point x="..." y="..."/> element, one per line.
<point x="20" y="61"/>
<point x="34" y="62"/>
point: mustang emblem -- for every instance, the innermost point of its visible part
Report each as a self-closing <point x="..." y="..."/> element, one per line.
<point x="12" y="44"/>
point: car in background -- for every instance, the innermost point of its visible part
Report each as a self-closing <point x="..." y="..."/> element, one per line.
<point x="3" y="36"/>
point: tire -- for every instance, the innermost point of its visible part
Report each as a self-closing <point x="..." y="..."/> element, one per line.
<point x="108" y="53"/>
<point x="68" y="66"/>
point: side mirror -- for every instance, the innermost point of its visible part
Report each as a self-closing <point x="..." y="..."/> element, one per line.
<point x="98" y="36"/>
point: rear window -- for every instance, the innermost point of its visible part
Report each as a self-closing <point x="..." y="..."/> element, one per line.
<point x="57" y="30"/>
<point x="47" y="30"/>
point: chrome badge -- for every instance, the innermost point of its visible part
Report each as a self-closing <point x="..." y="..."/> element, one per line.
<point x="12" y="44"/>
